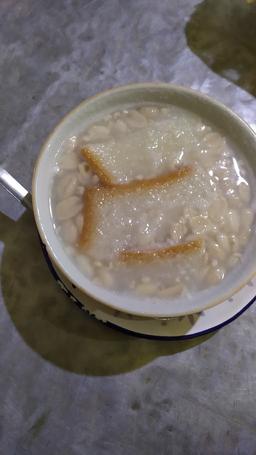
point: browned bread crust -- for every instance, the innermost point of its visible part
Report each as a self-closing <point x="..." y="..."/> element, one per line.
<point x="171" y="251"/>
<point x="96" y="166"/>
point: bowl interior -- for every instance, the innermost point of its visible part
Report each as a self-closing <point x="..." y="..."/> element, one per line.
<point x="87" y="113"/>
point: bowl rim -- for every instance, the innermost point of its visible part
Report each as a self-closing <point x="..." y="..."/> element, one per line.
<point x="43" y="148"/>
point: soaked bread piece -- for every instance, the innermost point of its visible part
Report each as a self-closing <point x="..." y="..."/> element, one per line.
<point x="142" y="153"/>
<point x="102" y="203"/>
<point x="140" y="215"/>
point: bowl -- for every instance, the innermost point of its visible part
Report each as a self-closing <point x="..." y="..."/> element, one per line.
<point x="87" y="113"/>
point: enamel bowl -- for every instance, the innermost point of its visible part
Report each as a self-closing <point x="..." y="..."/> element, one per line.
<point x="90" y="111"/>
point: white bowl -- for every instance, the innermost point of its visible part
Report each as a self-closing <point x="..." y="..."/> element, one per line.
<point x="87" y="113"/>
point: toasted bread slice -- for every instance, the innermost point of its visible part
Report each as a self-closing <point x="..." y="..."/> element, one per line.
<point x="141" y="216"/>
<point x="115" y="217"/>
<point x="149" y="151"/>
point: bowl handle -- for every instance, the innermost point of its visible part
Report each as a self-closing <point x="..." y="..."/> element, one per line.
<point x="15" y="188"/>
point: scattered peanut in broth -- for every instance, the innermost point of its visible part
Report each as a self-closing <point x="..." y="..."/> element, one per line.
<point x="153" y="201"/>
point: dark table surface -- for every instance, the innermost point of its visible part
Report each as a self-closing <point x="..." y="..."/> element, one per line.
<point x="68" y="384"/>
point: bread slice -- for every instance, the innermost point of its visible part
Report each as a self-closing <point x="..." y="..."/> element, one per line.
<point x="139" y="216"/>
<point x="119" y="197"/>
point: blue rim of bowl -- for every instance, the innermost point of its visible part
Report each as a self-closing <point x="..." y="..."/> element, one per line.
<point x="130" y="332"/>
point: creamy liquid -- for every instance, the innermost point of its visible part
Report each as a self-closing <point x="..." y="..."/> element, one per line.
<point x="214" y="203"/>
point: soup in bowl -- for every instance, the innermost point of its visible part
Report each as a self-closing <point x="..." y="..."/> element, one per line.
<point x="144" y="198"/>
